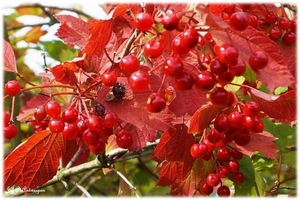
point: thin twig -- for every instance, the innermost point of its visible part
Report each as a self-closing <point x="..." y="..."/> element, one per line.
<point x="84" y="191"/>
<point x="126" y="181"/>
<point x="73" y="160"/>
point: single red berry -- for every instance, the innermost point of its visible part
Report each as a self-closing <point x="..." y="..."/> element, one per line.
<point x="223" y="191"/>
<point x="109" y="78"/>
<point x="213" y="180"/>
<point x="53" y="109"/>
<point x="238" y="68"/>
<point x="236" y="119"/>
<point x="177" y="46"/>
<point x="10" y="131"/>
<point x="227" y="54"/>
<point x="129" y="64"/>
<point x="170" y="21"/>
<point x="258" y="60"/>
<point x="105" y="132"/>
<point x="70" y="115"/>
<point x="189" y="38"/>
<point x="237" y="155"/>
<point x="213" y="136"/>
<point x="6" y="119"/>
<point x="184" y="81"/>
<point x="56" y="125"/>
<point x="139" y="81"/>
<point x="110" y="119"/>
<point x="275" y="33"/>
<point x="153" y="49"/>
<point x="97" y="148"/>
<point x="40" y="113"/>
<point x="210" y="146"/>
<point x="238" y="177"/>
<point x="239" y="21"/>
<point x="293" y="26"/>
<point x="251" y="123"/>
<point x="221" y="123"/>
<point x="81" y="126"/>
<point x="253" y="20"/>
<point x="90" y="137"/>
<point x="223" y="154"/>
<point x="173" y="66"/>
<point x="284" y="23"/>
<point x="242" y="139"/>
<point x="143" y="21"/>
<point x="290" y="37"/>
<point x="93" y="123"/>
<point x="70" y="131"/>
<point x="217" y="67"/>
<point x="198" y="150"/>
<point x="156" y="102"/>
<point x="205" y="81"/>
<point x="251" y="109"/>
<point x="124" y="139"/>
<point x="271" y="17"/>
<point x="12" y="88"/>
<point x="218" y="96"/>
<point x="233" y="166"/>
<point x="222" y="171"/>
<point x="205" y="189"/>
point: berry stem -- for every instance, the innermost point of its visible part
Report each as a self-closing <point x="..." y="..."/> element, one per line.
<point x="25" y="80"/>
<point x="47" y="86"/>
<point x="12" y="109"/>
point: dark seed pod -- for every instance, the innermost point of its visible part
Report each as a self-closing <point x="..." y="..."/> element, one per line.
<point x="118" y="90"/>
<point x="99" y="109"/>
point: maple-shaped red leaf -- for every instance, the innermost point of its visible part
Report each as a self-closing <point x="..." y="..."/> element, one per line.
<point x="173" y="154"/>
<point x="73" y="30"/>
<point x="27" y="111"/>
<point x="64" y="73"/>
<point x="71" y="149"/>
<point x="9" y="58"/>
<point x="262" y="142"/>
<point x="203" y="117"/>
<point x="191" y="183"/>
<point x="280" y="107"/>
<point x="35" y="161"/>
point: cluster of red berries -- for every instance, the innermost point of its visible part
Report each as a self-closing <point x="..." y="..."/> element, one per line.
<point x="93" y="129"/>
<point x="11" y="88"/>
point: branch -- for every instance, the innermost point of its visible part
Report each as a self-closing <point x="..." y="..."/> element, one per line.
<point x="120" y="155"/>
<point x="84" y="191"/>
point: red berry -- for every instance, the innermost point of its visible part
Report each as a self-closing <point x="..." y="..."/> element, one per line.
<point x="227" y="54"/>
<point x="189" y="38"/>
<point x="290" y="37"/>
<point x="225" y="78"/>
<point x="238" y="68"/>
<point x="253" y="20"/>
<point x="213" y="136"/>
<point x="198" y="150"/>
<point x="173" y="66"/>
<point x="239" y="21"/>
<point x="184" y="81"/>
<point x="129" y="64"/>
<point x="218" y="96"/>
<point x="205" y="81"/>
<point x="275" y="33"/>
<point x="205" y="189"/>
<point x="177" y="46"/>
<point x="109" y="78"/>
<point x="221" y="123"/>
<point x="235" y="154"/>
<point x="156" y="102"/>
<point x="258" y="60"/>
<point x="12" y="88"/>
<point x="70" y="115"/>
<point x="222" y="171"/>
<point x="97" y="148"/>
<point x="242" y="139"/>
<point x="53" y="108"/>
<point x="153" y="49"/>
<point x="143" y="21"/>
<point x="10" y="131"/>
<point x="229" y="8"/>
<point x="223" y="191"/>
<point x="110" y="119"/>
<point x="81" y="126"/>
<point x="39" y="113"/>
<point x="238" y="177"/>
<point x="124" y="139"/>
<point x="217" y="67"/>
<point x="284" y="23"/>
<point x="56" y="125"/>
<point x="6" y="119"/>
<point x="236" y="119"/>
<point x="251" y="123"/>
<point x="139" y="81"/>
<point x="271" y="17"/>
<point x="233" y="166"/>
<point x="93" y="123"/>
<point x="90" y="137"/>
<point x="105" y="132"/>
<point x="70" y="131"/>
<point x="251" y="109"/>
<point x="212" y="180"/>
<point x="170" y="20"/>
<point x="210" y="146"/>
<point x="223" y="154"/>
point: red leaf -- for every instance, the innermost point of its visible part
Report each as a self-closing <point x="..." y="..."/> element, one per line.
<point x="71" y="149"/>
<point x="173" y="152"/>
<point x="191" y="183"/>
<point x="9" y="62"/>
<point x="27" y="111"/>
<point x="101" y="31"/>
<point x="262" y="142"/>
<point x="203" y="117"/>
<point x="34" y="162"/>
<point x="64" y="73"/>
<point x="281" y="107"/>
<point x="73" y="30"/>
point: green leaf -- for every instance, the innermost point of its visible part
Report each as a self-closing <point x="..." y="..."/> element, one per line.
<point x="289" y="158"/>
<point x="53" y="48"/>
<point x="260" y="185"/>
